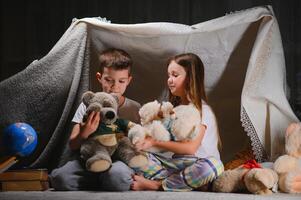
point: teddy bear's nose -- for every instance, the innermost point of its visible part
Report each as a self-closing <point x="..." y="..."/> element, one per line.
<point x="110" y="115"/>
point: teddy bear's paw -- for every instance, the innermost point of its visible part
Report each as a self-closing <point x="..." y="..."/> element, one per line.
<point x="285" y="164"/>
<point x="99" y="162"/>
<point x="138" y="161"/>
<point x="136" y="133"/>
<point x="159" y="132"/>
<point x="264" y="192"/>
<point x="99" y="166"/>
<point x="260" y="180"/>
<point x="290" y="182"/>
<point x="296" y="185"/>
<point x="135" y="140"/>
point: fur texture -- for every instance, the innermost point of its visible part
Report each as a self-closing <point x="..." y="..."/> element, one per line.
<point x="255" y="180"/>
<point x="288" y="166"/>
<point x="260" y="180"/>
<point x="100" y="146"/>
<point x="163" y="122"/>
<point x="186" y="124"/>
<point x="152" y="117"/>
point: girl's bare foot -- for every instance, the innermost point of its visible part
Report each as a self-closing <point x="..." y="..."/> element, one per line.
<point x="141" y="183"/>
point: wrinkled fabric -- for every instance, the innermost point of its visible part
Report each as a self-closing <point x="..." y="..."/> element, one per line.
<point x="244" y="77"/>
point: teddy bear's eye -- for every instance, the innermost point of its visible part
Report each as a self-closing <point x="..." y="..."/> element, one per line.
<point x="107" y="104"/>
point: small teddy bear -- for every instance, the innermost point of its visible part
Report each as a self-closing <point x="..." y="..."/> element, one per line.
<point x="164" y="122"/>
<point x="288" y="166"/>
<point x="154" y="118"/>
<point x="105" y="141"/>
<point x="249" y="176"/>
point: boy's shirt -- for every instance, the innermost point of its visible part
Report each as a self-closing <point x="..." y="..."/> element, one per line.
<point x="128" y="110"/>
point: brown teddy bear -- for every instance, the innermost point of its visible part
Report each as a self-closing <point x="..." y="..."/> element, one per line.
<point x="105" y="141"/>
<point x="247" y="177"/>
<point x="288" y="166"/>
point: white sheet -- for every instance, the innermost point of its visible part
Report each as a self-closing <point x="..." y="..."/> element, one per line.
<point x="245" y="71"/>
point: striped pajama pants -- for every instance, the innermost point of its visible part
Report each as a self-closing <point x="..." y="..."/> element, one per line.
<point x="181" y="173"/>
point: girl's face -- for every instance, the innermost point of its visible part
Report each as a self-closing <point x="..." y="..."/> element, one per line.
<point x="176" y="79"/>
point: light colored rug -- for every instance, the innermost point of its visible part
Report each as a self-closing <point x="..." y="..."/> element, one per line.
<point x="84" y="195"/>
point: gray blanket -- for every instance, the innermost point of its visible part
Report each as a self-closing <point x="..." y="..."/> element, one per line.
<point x="45" y="95"/>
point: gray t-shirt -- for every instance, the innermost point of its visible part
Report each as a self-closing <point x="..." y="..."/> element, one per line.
<point x="128" y="110"/>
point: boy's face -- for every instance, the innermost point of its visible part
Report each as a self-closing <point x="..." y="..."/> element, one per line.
<point x="114" y="81"/>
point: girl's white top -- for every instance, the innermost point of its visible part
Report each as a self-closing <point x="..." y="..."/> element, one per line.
<point x="209" y="145"/>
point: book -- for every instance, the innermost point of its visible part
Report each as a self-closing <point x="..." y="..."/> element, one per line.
<point x="24" y="175"/>
<point x="33" y="185"/>
<point x="7" y="162"/>
<point x="24" y="180"/>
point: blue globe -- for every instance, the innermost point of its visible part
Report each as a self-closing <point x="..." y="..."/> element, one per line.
<point x="19" y="139"/>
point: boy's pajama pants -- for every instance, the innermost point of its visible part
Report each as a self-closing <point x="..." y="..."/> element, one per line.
<point x="181" y="173"/>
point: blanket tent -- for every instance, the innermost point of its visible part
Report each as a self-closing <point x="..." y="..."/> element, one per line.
<point x="244" y="77"/>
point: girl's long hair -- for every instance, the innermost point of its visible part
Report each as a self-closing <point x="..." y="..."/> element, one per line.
<point x="195" y="79"/>
<point x="195" y="87"/>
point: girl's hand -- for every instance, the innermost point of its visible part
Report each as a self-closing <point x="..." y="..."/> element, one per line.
<point x="90" y="125"/>
<point x="145" y="144"/>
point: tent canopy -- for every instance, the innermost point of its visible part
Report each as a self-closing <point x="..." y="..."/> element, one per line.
<point x="244" y="78"/>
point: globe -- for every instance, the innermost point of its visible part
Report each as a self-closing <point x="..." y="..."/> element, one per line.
<point x="19" y="139"/>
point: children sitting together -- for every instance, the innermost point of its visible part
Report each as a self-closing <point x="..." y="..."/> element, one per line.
<point x="193" y="165"/>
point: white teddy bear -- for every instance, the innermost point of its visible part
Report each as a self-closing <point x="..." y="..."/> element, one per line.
<point x="164" y="122"/>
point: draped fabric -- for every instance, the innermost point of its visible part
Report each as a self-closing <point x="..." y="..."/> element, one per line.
<point x="244" y="78"/>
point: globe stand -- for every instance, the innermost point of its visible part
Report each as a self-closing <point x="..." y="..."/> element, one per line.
<point x="20" y="140"/>
<point x="17" y="140"/>
<point x="6" y="162"/>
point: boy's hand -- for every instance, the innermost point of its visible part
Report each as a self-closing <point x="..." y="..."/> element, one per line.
<point x="90" y="125"/>
<point x="144" y="144"/>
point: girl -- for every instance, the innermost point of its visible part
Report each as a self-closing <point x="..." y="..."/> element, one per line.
<point x="195" y="163"/>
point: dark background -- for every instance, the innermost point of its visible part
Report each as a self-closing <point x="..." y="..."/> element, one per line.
<point x="29" y="29"/>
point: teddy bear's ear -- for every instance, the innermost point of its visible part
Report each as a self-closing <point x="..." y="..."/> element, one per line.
<point x="167" y="108"/>
<point x="87" y="96"/>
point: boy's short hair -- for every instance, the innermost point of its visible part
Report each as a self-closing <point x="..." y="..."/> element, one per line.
<point x="117" y="59"/>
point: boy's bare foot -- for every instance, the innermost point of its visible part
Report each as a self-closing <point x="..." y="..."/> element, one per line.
<point x="141" y="183"/>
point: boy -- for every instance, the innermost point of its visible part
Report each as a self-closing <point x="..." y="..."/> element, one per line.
<point x="114" y="76"/>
